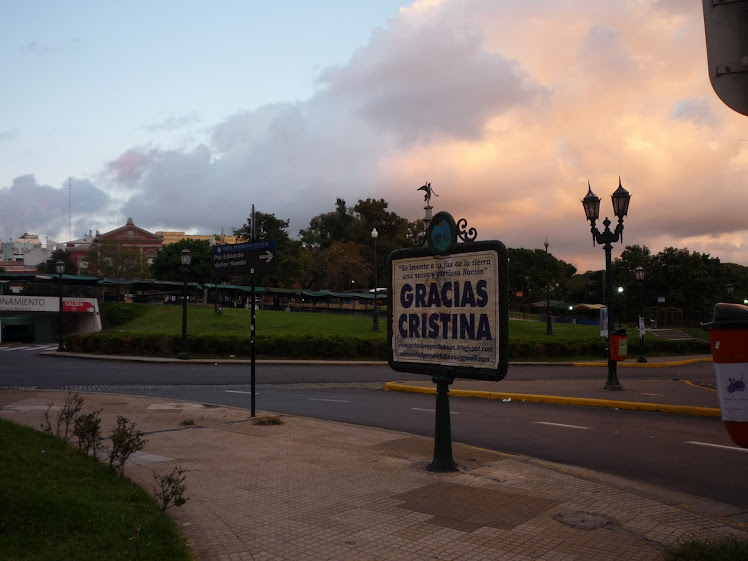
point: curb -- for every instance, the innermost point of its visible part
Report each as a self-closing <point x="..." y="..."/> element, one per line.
<point x="578" y="401"/>
<point x="302" y="362"/>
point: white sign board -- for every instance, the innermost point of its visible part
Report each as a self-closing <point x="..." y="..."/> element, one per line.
<point x="18" y="303"/>
<point x="445" y="310"/>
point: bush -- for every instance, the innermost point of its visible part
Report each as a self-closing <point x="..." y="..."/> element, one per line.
<point x="113" y="314"/>
<point x="345" y="347"/>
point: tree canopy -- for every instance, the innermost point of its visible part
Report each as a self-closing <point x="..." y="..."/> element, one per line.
<point x="168" y="263"/>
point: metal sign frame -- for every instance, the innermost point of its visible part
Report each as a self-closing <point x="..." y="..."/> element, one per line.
<point x="441" y="246"/>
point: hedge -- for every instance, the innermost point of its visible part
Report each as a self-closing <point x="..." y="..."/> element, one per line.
<point x="341" y="347"/>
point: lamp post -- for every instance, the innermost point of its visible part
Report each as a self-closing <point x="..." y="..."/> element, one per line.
<point x="186" y="260"/>
<point x="606" y="238"/>
<point x="549" y="322"/>
<point x="60" y="269"/>
<point x="375" y="321"/>
<point x="730" y="291"/>
<point x="639" y="274"/>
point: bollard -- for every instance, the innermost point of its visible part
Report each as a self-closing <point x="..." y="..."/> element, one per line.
<point x="728" y="334"/>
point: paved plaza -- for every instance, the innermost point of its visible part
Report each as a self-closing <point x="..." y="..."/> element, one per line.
<point x="317" y="490"/>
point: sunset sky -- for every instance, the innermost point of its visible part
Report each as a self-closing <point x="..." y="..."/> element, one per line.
<point x="182" y="114"/>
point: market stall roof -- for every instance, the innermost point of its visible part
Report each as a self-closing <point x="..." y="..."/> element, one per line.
<point x="589" y="306"/>
<point x="555" y="305"/>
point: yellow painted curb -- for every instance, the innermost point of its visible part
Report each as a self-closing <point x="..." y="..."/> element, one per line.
<point x="559" y="400"/>
<point x="648" y="364"/>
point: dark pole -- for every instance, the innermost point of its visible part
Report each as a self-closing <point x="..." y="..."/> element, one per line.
<point x="612" y="382"/>
<point x="549" y="322"/>
<point x="60" y="268"/>
<point x="252" y="347"/>
<point x="375" y="324"/>
<point x="639" y="273"/>
<point x="186" y="258"/>
<point x="443" y="460"/>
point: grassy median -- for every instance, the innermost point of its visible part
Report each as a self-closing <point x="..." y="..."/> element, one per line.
<point x="59" y="504"/>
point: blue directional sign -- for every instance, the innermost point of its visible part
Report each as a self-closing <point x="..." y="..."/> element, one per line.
<point x="244" y="258"/>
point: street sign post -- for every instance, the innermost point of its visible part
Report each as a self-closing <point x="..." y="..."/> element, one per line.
<point x="248" y="258"/>
<point x="244" y="258"/>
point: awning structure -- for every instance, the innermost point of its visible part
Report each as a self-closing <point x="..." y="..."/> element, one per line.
<point x="555" y="305"/>
<point x="589" y="307"/>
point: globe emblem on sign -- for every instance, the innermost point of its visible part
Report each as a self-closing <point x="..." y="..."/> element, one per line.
<point x="441" y="235"/>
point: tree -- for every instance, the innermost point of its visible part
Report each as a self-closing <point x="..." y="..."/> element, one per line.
<point x="287" y="250"/>
<point x="325" y="229"/>
<point x="168" y="263"/>
<point x="528" y="275"/>
<point x="342" y="267"/>
<point x="355" y="225"/>
<point x="110" y="258"/>
<point x="59" y="254"/>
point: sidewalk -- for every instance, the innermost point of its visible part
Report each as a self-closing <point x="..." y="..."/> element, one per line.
<point x="315" y="490"/>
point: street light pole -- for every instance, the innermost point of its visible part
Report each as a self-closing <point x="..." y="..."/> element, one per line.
<point x="60" y="269"/>
<point x="375" y="321"/>
<point x="549" y="321"/>
<point x="591" y="203"/>
<point x="639" y="274"/>
<point x="186" y="260"/>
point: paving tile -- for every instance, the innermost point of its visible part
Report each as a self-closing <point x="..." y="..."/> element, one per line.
<point x="309" y="490"/>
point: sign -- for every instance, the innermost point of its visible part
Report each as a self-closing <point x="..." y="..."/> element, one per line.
<point x="79" y="305"/>
<point x="448" y="313"/>
<point x="15" y="303"/>
<point x="244" y="258"/>
<point x="603" y="322"/>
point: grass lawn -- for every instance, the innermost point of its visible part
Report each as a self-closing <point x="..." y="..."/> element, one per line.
<point x="202" y="319"/>
<point x="58" y="504"/>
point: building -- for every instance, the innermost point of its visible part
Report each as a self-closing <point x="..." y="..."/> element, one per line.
<point x="220" y="239"/>
<point x="129" y="235"/>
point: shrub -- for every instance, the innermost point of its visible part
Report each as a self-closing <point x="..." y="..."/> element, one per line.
<point x="113" y="314"/>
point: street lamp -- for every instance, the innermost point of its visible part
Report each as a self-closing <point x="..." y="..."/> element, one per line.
<point x="639" y="274"/>
<point x="186" y="260"/>
<point x="606" y="238"/>
<point x="60" y="269"/>
<point x="375" y="321"/>
<point x="730" y="291"/>
<point x="549" y="322"/>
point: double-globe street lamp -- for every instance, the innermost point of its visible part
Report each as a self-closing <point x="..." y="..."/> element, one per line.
<point x="607" y="238"/>
<point x="60" y="269"/>
<point x="549" y="321"/>
<point x="375" y="321"/>
<point x="639" y="274"/>
<point x="186" y="258"/>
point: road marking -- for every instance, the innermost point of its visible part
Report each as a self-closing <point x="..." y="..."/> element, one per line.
<point x="432" y="410"/>
<point x="238" y="391"/>
<point x="722" y="446"/>
<point x="561" y="425"/>
<point x="330" y="400"/>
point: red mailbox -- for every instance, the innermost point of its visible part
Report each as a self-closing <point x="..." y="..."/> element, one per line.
<point x="728" y="333"/>
<point x="618" y="341"/>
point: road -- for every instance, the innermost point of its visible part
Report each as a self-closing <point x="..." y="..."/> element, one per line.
<point x="678" y="453"/>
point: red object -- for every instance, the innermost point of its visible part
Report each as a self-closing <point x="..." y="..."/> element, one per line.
<point x="730" y="356"/>
<point x="618" y="341"/>
<point x="77" y="306"/>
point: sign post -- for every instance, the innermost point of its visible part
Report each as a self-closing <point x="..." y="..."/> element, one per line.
<point x="246" y="258"/>
<point x="448" y="315"/>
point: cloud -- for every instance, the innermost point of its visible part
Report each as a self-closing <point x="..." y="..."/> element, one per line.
<point x="424" y="80"/>
<point x="26" y="206"/>
<point x="174" y="122"/>
<point x="508" y="109"/>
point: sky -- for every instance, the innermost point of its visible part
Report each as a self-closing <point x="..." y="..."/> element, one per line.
<point x="182" y="114"/>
